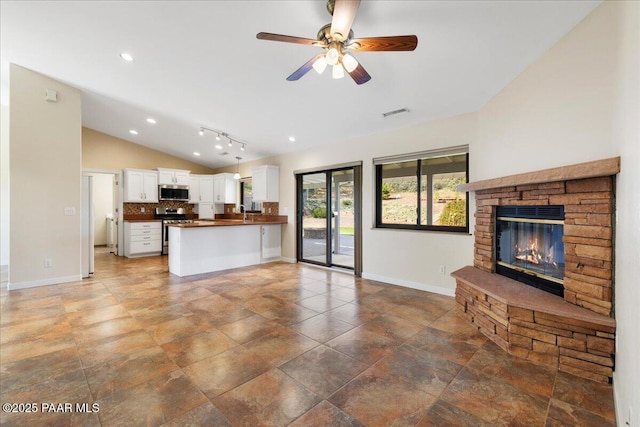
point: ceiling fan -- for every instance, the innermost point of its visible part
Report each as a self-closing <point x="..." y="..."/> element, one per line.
<point x="337" y="40"/>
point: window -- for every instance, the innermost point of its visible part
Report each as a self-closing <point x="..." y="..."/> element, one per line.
<point x="419" y="191"/>
<point x="246" y="196"/>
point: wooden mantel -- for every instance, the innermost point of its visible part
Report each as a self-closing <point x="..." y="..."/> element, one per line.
<point x="597" y="168"/>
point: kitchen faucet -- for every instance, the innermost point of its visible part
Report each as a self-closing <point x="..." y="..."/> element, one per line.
<point x="244" y="213"/>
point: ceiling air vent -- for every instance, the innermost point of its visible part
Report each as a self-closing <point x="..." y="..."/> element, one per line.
<point x="394" y="112"/>
<point x="224" y="153"/>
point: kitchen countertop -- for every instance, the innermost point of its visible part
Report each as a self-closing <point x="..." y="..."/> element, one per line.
<point x="142" y="220"/>
<point x="230" y="222"/>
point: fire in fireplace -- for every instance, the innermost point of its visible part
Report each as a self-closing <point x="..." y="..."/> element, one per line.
<point x="529" y="246"/>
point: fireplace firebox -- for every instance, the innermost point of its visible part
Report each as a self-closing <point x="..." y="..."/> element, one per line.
<point x="529" y="246"/>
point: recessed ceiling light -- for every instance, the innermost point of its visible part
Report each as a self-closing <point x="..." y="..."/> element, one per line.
<point x="195" y="153"/>
<point x="151" y="120"/>
<point x="133" y="132"/>
<point x="218" y="146"/>
<point x="126" y="56"/>
<point x="292" y="139"/>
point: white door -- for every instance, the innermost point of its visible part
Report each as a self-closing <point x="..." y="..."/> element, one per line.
<point x="113" y="229"/>
<point x="87" y="219"/>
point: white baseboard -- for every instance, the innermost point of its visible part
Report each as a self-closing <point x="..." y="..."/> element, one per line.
<point x="289" y="260"/>
<point x="408" y="284"/>
<point x="43" y="282"/>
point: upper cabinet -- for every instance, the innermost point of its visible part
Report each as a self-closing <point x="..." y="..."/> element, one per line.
<point x="266" y="183"/>
<point x="173" y="177"/>
<point x="201" y="189"/>
<point x="225" y="188"/>
<point x="194" y="188"/>
<point x="140" y="186"/>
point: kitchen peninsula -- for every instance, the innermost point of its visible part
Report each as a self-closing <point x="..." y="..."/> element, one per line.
<point x="205" y="246"/>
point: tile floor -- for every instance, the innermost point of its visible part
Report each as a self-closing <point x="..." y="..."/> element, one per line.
<point x="279" y="344"/>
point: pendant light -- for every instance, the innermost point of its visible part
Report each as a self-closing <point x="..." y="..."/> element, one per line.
<point x="236" y="176"/>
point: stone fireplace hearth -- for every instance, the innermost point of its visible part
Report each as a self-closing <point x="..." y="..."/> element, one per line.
<point x="575" y="333"/>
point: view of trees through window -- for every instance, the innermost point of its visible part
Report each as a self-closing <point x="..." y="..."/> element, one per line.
<point x="433" y="197"/>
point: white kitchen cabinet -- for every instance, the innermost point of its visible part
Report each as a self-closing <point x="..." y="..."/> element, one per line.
<point x="194" y="188"/>
<point x="266" y="183"/>
<point x="206" y="189"/>
<point x="173" y="177"/>
<point x="142" y="238"/>
<point x="201" y="189"/>
<point x="271" y="243"/>
<point x="140" y="186"/>
<point x="206" y="211"/>
<point x="225" y="188"/>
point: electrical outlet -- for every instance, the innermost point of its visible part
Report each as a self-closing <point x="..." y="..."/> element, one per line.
<point x="142" y="209"/>
<point x="48" y="263"/>
<point x="442" y="270"/>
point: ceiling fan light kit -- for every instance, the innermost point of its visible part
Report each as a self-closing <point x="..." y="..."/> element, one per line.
<point x="332" y="39"/>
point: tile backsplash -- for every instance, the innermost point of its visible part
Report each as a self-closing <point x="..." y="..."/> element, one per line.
<point x="149" y="208"/>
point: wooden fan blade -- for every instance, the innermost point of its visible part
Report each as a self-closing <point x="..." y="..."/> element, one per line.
<point x="360" y="75"/>
<point x="344" y="12"/>
<point x="304" y="69"/>
<point x="288" y="39"/>
<point x="393" y="43"/>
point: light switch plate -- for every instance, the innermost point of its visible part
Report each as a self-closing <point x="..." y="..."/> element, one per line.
<point x="70" y="211"/>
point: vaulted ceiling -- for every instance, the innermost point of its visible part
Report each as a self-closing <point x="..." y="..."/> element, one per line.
<point x="199" y="64"/>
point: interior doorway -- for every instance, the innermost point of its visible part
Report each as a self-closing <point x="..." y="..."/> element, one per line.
<point x="106" y="206"/>
<point x="329" y="217"/>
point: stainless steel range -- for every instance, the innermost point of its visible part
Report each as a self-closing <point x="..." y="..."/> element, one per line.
<point x="170" y="216"/>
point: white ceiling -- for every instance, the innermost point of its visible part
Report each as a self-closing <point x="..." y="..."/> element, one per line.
<point x="200" y="64"/>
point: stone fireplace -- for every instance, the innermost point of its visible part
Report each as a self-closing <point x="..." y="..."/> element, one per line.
<point x="573" y="328"/>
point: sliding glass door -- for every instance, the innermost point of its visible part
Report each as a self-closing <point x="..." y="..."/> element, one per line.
<point x="342" y="218"/>
<point x="328" y="217"/>
<point x="314" y="218"/>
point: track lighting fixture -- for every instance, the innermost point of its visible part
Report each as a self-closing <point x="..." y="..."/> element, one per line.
<point x="220" y="135"/>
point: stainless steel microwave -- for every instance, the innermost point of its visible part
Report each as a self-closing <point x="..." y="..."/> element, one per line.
<point x="173" y="192"/>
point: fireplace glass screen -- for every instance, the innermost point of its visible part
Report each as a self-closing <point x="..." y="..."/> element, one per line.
<point x="531" y="250"/>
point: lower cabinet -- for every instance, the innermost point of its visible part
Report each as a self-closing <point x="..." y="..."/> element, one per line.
<point x="142" y="238"/>
<point x="271" y="243"/>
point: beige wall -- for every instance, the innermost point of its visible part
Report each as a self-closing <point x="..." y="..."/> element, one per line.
<point x="4" y="186"/>
<point x="45" y="163"/>
<point x="626" y="141"/>
<point x="106" y="152"/>
<point x="562" y="104"/>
